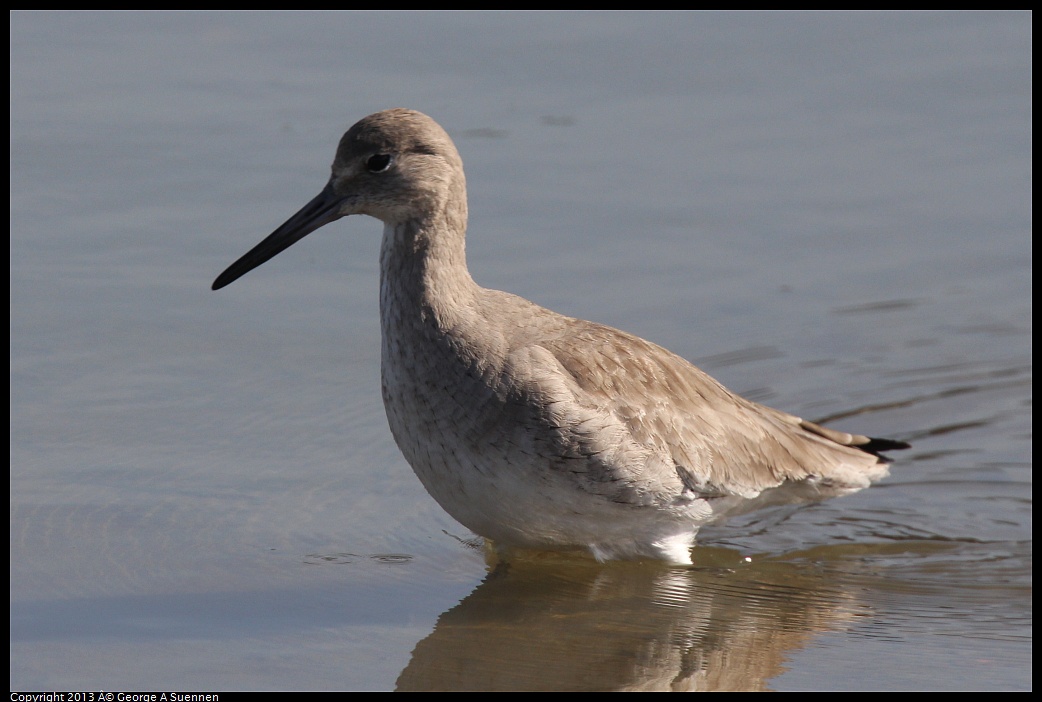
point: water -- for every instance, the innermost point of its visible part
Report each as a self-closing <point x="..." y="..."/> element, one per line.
<point x="829" y="213"/>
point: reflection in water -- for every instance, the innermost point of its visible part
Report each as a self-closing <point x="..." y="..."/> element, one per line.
<point x="566" y="624"/>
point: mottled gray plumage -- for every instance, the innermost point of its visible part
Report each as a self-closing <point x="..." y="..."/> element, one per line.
<point x="538" y="430"/>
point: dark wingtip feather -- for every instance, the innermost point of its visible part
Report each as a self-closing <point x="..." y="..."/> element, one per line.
<point x="877" y="446"/>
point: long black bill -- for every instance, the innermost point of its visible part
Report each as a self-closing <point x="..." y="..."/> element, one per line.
<point x="320" y="211"/>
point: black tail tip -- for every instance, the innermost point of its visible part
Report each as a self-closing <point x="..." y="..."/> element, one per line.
<point x="877" y="446"/>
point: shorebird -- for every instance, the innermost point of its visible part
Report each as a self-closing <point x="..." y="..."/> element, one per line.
<point x="537" y="430"/>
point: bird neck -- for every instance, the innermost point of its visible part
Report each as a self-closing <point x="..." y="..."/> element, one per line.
<point x="423" y="270"/>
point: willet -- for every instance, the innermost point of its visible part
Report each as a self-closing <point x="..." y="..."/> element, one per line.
<point x="533" y="429"/>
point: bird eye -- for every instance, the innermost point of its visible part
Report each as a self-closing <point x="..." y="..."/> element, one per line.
<point x="378" y="163"/>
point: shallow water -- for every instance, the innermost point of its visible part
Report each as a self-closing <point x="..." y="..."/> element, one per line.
<point x="829" y="213"/>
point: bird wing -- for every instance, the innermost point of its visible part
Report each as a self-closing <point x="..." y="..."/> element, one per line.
<point x="646" y="419"/>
